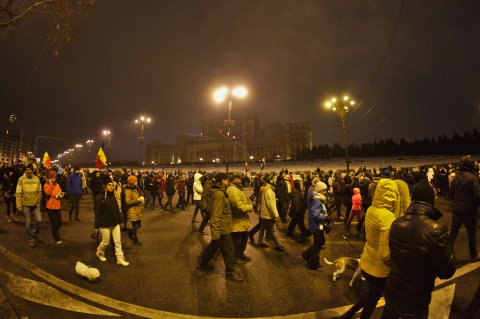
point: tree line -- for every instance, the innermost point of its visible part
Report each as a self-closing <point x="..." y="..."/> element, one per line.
<point x="468" y="143"/>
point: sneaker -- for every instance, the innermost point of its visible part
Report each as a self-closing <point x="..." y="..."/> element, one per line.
<point x="32" y="243"/>
<point x="245" y="257"/>
<point x="101" y="257"/>
<point x="280" y="248"/>
<point x="77" y="220"/>
<point x="263" y="245"/>
<point x="234" y="277"/>
<point x="59" y="242"/>
<point x="240" y="261"/>
<point x="122" y="262"/>
<point x="206" y="267"/>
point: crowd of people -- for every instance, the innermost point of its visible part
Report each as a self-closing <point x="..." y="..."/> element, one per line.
<point x="405" y="248"/>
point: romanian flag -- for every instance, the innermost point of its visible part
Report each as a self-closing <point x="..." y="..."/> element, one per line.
<point x="46" y="160"/>
<point x="101" y="159"/>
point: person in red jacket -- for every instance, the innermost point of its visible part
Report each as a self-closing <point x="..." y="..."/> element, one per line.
<point x="54" y="194"/>
<point x="356" y="206"/>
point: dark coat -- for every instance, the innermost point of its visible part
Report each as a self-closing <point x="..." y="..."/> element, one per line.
<point x="170" y="186"/>
<point x="419" y="253"/>
<point x="221" y="220"/>
<point x="465" y="193"/>
<point x="107" y="211"/>
<point x="299" y="204"/>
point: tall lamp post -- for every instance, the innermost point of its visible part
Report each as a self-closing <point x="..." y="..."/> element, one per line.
<point x="222" y="94"/>
<point x="341" y="108"/>
<point x="141" y="121"/>
<point x="89" y="144"/>
<point x="108" y="134"/>
<point x="21" y="124"/>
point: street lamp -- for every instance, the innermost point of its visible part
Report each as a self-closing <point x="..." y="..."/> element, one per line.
<point x="89" y="144"/>
<point x="224" y="93"/>
<point x="341" y="108"/>
<point x="141" y="121"/>
<point x="108" y="134"/>
<point x="21" y="124"/>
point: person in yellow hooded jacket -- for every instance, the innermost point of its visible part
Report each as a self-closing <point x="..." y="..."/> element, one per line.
<point x="390" y="202"/>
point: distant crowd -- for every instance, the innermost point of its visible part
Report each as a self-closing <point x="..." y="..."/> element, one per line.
<point x="405" y="248"/>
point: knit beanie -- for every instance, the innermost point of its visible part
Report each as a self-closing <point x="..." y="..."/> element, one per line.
<point x="423" y="192"/>
<point x="220" y="176"/>
<point x="320" y="186"/>
<point x="131" y="180"/>
<point x="52" y="174"/>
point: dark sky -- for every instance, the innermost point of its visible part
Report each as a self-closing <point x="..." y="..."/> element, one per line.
<point x="164" y="58"/>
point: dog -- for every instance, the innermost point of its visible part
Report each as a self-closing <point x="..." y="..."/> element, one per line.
<point x="341" y="264"/>
<point x="85" y="271"/>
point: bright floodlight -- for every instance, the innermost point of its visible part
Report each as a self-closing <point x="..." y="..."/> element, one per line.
<point x="328" y="105"/>
<point x="78" y="145"/>
<point x="220" y="94"/>
<point x="334" y="99"/>
<point x="148" y="120"/>
<point x="106" y="132"/>
<point x="352" y="102"/>
<point x="240" y="92"/>
<point x="345" y="98"/>
<point x="142" y="118"/>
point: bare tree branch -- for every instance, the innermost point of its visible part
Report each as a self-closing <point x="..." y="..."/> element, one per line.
<point x="21" y="14"/>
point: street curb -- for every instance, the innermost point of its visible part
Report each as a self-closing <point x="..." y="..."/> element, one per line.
<point x="6" y="309"/>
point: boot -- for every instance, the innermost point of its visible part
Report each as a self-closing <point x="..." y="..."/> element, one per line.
<point x="233" y="276"/>
<point x="121" y="261"/>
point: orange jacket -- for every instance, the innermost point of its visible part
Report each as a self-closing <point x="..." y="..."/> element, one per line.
<point x="52" y="190"/>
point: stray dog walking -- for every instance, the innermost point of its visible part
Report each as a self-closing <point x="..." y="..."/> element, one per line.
<point x="341" y="264"/>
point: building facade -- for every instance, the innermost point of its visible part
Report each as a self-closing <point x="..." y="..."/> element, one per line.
<point x="244" y="141"/>
<point x="9" y="148"/>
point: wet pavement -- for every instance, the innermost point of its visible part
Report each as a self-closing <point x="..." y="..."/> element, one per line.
<point x="162" y="280"/>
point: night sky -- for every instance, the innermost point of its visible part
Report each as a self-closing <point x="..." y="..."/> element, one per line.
<point x="418" y="78"/>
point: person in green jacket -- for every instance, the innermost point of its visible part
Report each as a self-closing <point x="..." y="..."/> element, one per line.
<point x="221" y="228"/>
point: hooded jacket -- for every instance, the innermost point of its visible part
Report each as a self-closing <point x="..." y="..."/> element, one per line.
<point x="356" y="199"/>
<point x="29" y="191"/>
<point x="197" y="186"/>
<point x="221" y="220"/>
<point x="317" y="211"/>
<point x="52" y="190"/>
<point x="390" y="202"/>
<point x="419" y="253"/>
<point x="268" y="202"/>
<point x="240" y="208"/>
<point x="133" y="204"/>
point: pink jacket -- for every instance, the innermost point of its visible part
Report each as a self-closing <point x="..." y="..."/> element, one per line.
<point x="356" y="199"/>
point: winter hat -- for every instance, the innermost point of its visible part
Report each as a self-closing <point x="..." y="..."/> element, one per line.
<point x="268" y="178"/>
<point x="423" y="192"/>
<point x="320" y="186"/>
<point x="220" y="176"/>
<point x="118" y="173"/>
<point x="52" y="173"/>
<point x="467" y="164"/>
<point x="131" y="180"/>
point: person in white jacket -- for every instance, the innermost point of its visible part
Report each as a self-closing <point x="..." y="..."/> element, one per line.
<point x="197" y="194"/>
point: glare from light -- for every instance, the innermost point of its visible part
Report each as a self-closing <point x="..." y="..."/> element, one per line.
<point x="78" y="145"/>
<point x="106" y="132"/>
<point x="345" y="98"/>
<point x="334" y="99"/>
<point x="220" y="94"/>
<point x="251" y="157"/>
<point x="334" y="108"/>
<point x="240" y="92"/>
<point x="201" y="158"/>
<point x="142" y="118"/>
<point x="352" y="102"/>
<point x="136" y="121"/>
<point x="328" y="105"/>
<point x="149" y="120"/>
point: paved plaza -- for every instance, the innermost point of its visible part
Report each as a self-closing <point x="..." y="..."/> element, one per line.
<point x="162" y="280"/>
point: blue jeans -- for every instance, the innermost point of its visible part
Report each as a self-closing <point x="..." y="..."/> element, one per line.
<point x="33" y="227"/>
